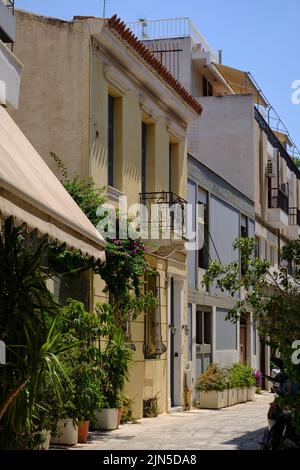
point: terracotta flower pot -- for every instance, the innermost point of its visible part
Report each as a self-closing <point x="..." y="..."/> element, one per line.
<point x="83" y="430"/>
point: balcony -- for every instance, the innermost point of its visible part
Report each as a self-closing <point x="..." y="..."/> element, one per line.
<point x="278" y="203"/>
<point x="294" y="223"/>
<point x="163" y="221"/>
<point x="7" y="21"/>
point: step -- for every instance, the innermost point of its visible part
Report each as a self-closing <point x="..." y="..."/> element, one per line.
<point x="175" y="409"/>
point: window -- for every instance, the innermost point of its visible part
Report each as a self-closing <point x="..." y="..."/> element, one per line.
<point x="207" y="87"/>
<point x="203" y="253"/>
<point x="226" y="332"/>
<point x="111" y="138"/>
<point x="190" y="327"/>
<point x="203" y="328"/>
<point x="244" y="233"/>
<point x="273" y="255"/>
<point x="257" y="251"/>
<point x="144" y="157"/>
<point x="192" y="254"/>
<point x="72" y="287"/>
<point x="254" y="337"/>
<point x="153" y="344"/>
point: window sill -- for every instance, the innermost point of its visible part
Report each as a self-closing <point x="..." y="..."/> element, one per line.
<point x="114" y="194"/>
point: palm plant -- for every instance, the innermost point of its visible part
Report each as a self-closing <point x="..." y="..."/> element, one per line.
<point x="27" y="325"/>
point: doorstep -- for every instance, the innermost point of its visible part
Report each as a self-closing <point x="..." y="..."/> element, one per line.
<point x="175" y="409"/>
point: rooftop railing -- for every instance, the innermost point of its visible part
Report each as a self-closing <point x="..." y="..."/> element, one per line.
<point x="167" y="29"/>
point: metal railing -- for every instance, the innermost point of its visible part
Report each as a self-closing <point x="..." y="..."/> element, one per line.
<point x="167" y="29"/>
<point x="275" y="142"/>
<point x="278" y="200"/>
<point x="164" y="213"/>
<point x="294" y="216"/>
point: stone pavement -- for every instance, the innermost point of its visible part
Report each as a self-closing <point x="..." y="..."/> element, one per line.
<point x="238" y="427"/>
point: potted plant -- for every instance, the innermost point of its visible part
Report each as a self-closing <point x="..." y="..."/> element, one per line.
<point x="115" y="356"/>
<point x="232" y="389"/>
<point x="65" y="431"/>
<point x="258" y="381"/>
<point x="213" y="387"/>
<point x="84" y="362"/>
<point x="238" y="373"/>
<point x="250" y="382"/>
<point x="88" y="399"/>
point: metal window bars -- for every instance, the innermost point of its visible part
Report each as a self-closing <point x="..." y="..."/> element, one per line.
<point x="278" y="200"/>
<point x="164" y="213"/>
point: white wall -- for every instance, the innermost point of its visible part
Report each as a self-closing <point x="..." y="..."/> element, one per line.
<point x="222" y="139"/>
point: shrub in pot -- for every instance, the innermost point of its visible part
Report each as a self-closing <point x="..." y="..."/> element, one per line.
<point x="85" y="362"/>
<point x="65" y="431"/>
<point x="241" y="377"/>
<point x="250" y="382"/>
<point x="213" y="387"/>
<point x="115" y="359"/>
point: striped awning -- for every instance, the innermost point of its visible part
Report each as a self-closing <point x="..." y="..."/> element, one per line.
<point x="31" y="193"/>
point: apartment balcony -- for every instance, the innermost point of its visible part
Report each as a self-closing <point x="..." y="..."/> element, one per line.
<point x="7" y="21"/>
<point x="278" y="213"/>
<point x="293" y="232"/>
<point x="163" y="221"/>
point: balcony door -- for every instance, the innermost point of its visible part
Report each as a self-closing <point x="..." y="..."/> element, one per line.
<point x="144" y="158"/>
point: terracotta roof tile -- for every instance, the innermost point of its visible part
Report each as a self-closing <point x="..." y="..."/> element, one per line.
<point x="126" y="34"/>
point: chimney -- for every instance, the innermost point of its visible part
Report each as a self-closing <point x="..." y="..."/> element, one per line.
<point x="220" y="52"/>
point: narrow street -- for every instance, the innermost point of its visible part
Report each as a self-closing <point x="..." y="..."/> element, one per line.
<point x="238" y="427"/>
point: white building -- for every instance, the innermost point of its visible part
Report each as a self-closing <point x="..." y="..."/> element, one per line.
<point x="240" y="170"/>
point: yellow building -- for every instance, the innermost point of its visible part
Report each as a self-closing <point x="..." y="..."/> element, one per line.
<point x="93" y="94"/>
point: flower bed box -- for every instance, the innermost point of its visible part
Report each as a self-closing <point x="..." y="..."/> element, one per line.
<point x="214" y="399"/>
<point x="242" y="394"/>
<point x="232" y="396"/>
<point x="251" y="393"/>
<point x="107" y="419"/>
<point x="67" y="433"/>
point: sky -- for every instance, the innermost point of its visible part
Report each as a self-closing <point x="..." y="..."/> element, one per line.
<point x="260" y="36"/>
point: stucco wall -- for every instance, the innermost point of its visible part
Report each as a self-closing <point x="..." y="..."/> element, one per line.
<point x="222" y="139"/>
<point x="54" y="94"/>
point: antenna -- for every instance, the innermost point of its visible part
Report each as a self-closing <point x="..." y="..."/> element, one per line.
<point x="104" y="8"/>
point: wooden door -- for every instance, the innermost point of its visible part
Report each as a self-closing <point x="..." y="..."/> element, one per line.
<point x="243" y="344"/>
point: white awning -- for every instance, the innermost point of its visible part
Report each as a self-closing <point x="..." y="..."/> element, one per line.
<point x="31" y="193"/>
<point x="241" y="83"/>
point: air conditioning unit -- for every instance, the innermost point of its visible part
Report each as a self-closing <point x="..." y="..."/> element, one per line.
<point x="271" y="170"/>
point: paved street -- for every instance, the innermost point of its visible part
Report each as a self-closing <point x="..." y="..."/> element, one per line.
<point x="237" y="427"/>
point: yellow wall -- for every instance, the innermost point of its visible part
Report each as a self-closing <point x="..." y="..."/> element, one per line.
<point x="63" y="108"/>
<point x="147" y="377"/>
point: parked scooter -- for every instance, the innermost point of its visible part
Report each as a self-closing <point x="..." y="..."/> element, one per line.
<point x="280" y="434"/>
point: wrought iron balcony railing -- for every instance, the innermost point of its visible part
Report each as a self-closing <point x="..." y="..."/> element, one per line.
<point x="294" y="216"/>
<point x="278" y="200"/>
<point x="163" y="214"/>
